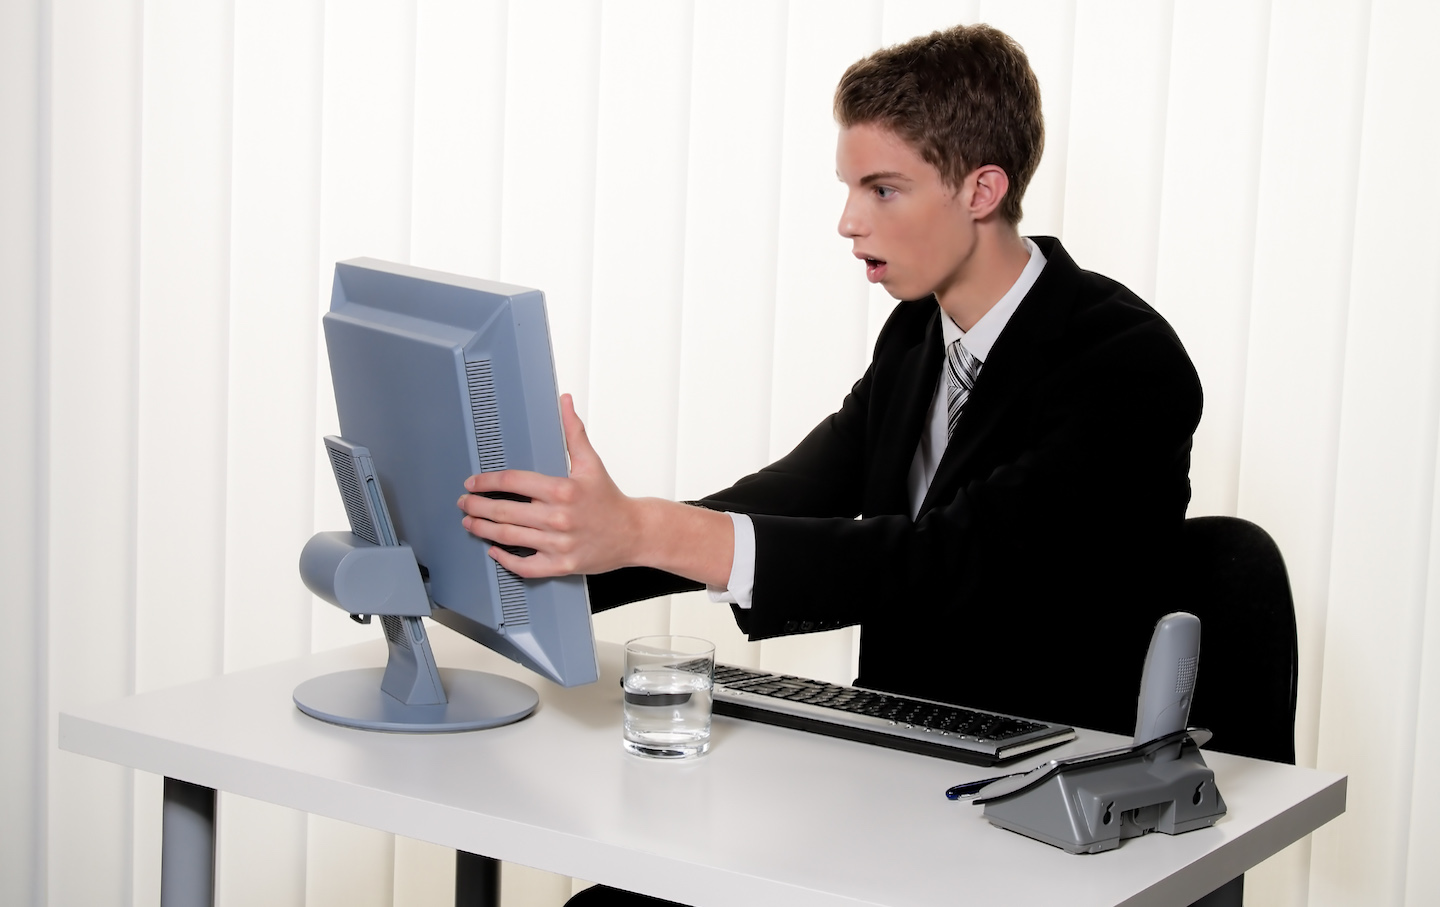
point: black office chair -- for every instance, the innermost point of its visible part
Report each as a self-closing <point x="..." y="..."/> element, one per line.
<point x="1233" y="579"/>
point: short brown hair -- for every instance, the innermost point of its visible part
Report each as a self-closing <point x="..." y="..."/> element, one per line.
<point x="962" y="98"/>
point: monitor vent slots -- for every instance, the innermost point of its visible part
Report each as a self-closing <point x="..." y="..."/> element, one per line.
<point x="486" y="414"/>
<point x="352" y="495"/>
<point x="395" y="631"/>
<point x="512" y="597"/>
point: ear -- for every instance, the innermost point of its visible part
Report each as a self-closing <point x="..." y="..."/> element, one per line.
<point x="988" y="185"/>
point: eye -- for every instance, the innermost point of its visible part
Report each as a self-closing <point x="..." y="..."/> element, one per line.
<point x="884" y="192"/>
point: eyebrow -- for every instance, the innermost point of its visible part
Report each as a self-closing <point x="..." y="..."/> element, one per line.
<point x="883" y="176"/>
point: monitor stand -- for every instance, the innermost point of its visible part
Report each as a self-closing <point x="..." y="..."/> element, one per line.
<point x="410" y="694"/>
<point x="369" y="572"/>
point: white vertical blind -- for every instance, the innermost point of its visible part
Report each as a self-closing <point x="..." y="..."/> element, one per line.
<point x="94" y="58"/>
<point x="181" y="177"/>
<point x="1385" y="477"/>
<point x="183" y="255"/>
<point x="547" y="225"/>
<point x="1115" y="160"/>
<point x="460" y="56"/>
<point x="270" y="432"/>
<point x="23" y="749"/>
<point x="1422" y="875"/>
<point x="1206" y="227"/>
<point x="1304" y="227"/>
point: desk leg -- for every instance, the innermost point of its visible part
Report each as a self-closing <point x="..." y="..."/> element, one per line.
<point x="187" y="850"/>
<point x="477" y="880"/>
<point x="1231" y="894"/>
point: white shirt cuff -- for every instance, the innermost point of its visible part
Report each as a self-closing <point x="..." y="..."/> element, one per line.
<point x="742" y="567"/>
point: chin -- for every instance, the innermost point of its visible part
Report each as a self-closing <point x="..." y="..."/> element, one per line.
<point x="899" y="291"/>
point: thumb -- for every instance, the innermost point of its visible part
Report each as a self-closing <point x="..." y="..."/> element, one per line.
<point x="575" y="438"/>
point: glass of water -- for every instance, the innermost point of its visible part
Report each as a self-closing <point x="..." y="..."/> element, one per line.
<point x="667" y="686"/>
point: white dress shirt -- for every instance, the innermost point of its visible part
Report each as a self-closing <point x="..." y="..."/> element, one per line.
<point x="977" y="341"/>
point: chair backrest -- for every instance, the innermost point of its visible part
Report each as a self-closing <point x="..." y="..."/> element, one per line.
<point x="1234" y="579"/>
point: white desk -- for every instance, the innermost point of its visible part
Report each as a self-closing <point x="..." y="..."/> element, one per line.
<point x="769" y="816"/>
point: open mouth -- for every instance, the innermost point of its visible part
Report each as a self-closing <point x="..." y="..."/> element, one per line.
<point x="875" y="269"/>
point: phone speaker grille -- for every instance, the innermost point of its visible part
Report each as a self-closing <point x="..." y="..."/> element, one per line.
<point x="486" y="414"/>
<point x="1185" y="674"/>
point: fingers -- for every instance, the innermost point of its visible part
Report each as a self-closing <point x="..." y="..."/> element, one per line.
<point x="538" y="564"/>
<point x="521" y="513"/>
<point x="532" y="567"/>
<point x="502" y="533"/>
<point x="533" y="485"/>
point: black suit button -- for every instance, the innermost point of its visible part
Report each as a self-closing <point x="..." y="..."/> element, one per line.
<point x="789" y="626"/>
<point x="807" y="625"/>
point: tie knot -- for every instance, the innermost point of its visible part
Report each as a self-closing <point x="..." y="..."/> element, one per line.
<point x="961" y="365"/>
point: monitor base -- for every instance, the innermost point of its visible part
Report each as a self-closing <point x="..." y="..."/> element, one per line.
<point x="476" y="700"/>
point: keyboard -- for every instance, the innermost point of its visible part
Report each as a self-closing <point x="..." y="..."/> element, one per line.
<point x="885" y="719"/>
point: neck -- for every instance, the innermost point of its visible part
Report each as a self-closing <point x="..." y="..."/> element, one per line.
<point x="999" y="256"/>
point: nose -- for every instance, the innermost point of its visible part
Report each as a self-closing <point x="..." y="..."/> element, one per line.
<point x="851" y="223"/>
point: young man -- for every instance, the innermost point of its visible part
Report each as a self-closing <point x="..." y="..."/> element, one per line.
<point x="1017" y="450"/>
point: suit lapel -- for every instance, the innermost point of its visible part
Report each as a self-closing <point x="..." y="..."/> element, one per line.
<point x="917" y="372"/>
<point x="1016" y="359"/>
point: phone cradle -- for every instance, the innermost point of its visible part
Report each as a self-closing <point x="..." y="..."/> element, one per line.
<point x="1090" y="806"/>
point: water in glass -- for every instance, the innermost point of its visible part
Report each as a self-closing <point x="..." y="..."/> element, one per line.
<point x="667" y="712"/>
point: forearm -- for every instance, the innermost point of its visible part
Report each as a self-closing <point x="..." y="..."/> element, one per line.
<point x="685" y="540"/>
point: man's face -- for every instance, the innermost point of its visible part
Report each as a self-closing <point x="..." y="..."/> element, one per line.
<point x="911" y="229"/>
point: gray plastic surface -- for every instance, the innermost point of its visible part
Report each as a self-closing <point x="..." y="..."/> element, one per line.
<point x="411" y="674"/>
<point x="1165" y="785"/>
<point x="1168" y="683"/>
<point x="362" y="578"/>
<point x="360" y="491"/>
<point x="1089" y="809"/>
<point x="475" y="700"/>
<point x="440" y="377"/>
<point x="368" y="571"/>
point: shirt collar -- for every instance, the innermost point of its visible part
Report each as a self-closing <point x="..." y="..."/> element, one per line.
<point x="980" y="338"/>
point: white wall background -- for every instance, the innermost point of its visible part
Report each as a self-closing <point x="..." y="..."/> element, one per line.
<point x="177" y="178"/>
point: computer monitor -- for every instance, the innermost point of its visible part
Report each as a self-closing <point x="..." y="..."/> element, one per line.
<point x="438" y="377"/>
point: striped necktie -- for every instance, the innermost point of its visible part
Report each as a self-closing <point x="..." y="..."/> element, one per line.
<point x="961" y="367"/>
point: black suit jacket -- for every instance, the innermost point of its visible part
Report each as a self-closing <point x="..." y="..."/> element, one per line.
<point x="1033" y="576"/>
